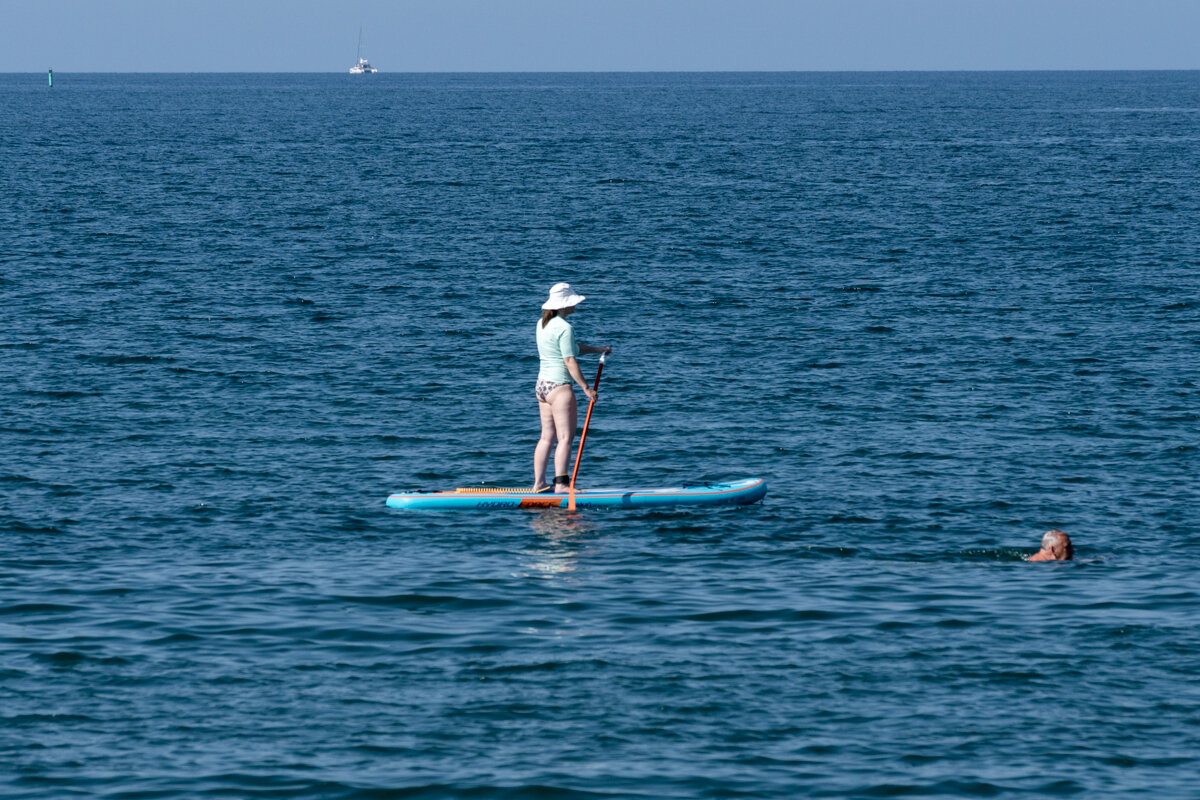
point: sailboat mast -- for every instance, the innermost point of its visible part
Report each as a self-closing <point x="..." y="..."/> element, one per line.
<point x="360" y="42"/>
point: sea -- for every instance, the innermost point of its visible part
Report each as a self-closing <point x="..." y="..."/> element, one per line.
<point x="940" y="314"/>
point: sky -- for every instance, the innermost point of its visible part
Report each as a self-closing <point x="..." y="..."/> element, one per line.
<point x="596" y="35"/>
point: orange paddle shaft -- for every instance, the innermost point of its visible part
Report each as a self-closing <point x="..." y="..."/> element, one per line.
<point x="583" y="436"/>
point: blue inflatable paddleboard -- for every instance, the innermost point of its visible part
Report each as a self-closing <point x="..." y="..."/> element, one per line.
<point x="733" y="493"/>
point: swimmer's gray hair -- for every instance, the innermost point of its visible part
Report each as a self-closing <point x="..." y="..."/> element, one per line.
<point x="1054" y="538"/>
<point x="1058" y="542"/>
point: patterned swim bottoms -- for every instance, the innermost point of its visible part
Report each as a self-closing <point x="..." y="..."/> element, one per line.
<point x="544" y="388"/>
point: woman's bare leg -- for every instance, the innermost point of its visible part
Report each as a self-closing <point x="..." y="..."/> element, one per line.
<point x="541" y="453"/>
<point x="566" y="417"/>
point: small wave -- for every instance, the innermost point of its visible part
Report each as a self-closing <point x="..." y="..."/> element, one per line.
<point x="37" y="608"/>
<point x="420" y="602"/>
<point x="1002" y="554"/>
<point x="175" y="638"/>
<point x="41" y="719"/>
<point x="922" y="455"/>
<point x="16" y="526"/>
<point x="1156" y="763"/>
<point x="62" y="658"/>
<point x="949" y="788"/>
<point x="121" y="360"/>
<point x="544" y="666"/>
<point x="1146" y="110"/>
<point x="66" y="394"/>
<point x="771" y="615"/>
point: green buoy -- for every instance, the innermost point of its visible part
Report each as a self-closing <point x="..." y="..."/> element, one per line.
<point x="50" y="77"/>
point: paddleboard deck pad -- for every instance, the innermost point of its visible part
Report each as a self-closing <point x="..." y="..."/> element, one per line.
<point x="733" y="493"/>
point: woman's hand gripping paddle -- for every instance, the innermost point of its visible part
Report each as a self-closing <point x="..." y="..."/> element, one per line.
<point x="583" y="436"/>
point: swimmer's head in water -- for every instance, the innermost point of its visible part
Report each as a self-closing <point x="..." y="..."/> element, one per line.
<point x="1057" y="544"/>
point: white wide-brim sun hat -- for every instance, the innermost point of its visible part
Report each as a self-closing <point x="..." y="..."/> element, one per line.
<point x="562" y="296"/>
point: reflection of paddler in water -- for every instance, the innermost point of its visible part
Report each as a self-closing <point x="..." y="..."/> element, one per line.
<point x="558" y="351"/>
<point x="560" y="534"/>
<point x="1056" y="546"/>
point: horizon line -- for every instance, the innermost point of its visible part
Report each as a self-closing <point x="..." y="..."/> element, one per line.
<point x="614" y="71"/>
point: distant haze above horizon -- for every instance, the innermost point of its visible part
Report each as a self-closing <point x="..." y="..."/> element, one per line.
<point x="608" y="35"/>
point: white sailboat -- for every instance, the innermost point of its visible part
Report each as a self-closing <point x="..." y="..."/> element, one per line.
<point x="363" y="67"/>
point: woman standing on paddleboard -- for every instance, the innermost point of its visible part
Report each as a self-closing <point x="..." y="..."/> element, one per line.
<point x="558" y="350"/>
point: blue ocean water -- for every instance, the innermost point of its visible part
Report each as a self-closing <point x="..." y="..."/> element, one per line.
<point x="940" y="313"/>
